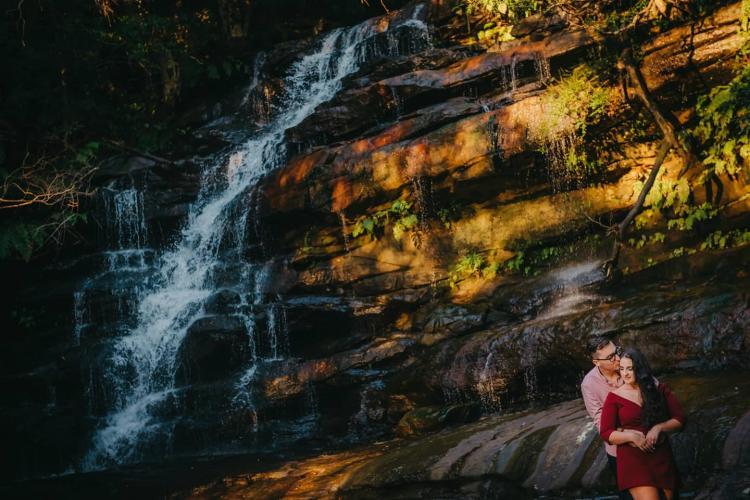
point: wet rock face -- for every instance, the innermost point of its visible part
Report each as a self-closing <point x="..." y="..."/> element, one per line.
<point x="707" y="328"/>
<point x="734" y="480"/>
<point x="214" y="348"/>
<point x="431" y="418"/>
<point x="538" y="26"/>
<point x="551" y="451"/>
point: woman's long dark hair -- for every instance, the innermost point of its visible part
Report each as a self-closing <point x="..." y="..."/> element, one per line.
<point x="654" y="408"/>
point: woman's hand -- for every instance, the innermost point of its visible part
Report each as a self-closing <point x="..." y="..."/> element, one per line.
<point x="638" y="440"/>
<point x="652" y="437"/>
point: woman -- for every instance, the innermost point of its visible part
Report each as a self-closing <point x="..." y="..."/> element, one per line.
<point x="645" y="465"/>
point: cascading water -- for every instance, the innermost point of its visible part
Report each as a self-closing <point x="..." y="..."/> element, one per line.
<point x="123" y="263"/>
<point x="258" y="95"/>
<point x="140" y="373"/>
<point x="485" y="386"/>
<point x="558" y="152"/>
<point x="573" y="284"/>
<point x="542" y="67"/>
<point x="125" y="208"/>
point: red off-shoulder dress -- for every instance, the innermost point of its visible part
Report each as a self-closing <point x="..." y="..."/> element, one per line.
<point x="635" y="467"/>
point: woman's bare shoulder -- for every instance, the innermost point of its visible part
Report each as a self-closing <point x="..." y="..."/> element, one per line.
<point x="620" y="391"/>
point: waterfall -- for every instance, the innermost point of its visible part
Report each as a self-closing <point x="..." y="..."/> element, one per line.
<point x="80" y="312"/>
<point x="542" y="67"/>
<point x="126" y="257"/>
<point x="125" y="209"/>
<point x="485" y="386"/>
<point x="558" y="150"/>
<point x="573" y="295"/>
<point x="140" y="371"/>
<point x="258" y="98"/>
<point x="513" y="73"/>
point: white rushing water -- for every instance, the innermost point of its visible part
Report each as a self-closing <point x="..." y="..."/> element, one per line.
<point x="143" y="360"/>
<point x="573" y="294"/>
<point x="127" y="255"/>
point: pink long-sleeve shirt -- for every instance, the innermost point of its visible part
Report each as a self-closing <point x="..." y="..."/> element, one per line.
<point x="594" y="389"/>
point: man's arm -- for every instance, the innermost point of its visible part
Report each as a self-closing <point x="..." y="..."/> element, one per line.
<point x="593" y="404"/>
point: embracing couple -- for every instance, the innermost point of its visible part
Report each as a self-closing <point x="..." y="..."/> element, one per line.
<point x="634" y="412"/>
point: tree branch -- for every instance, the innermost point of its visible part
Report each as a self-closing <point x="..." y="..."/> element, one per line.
<point x="665" y="120"/>
<point x="610" y="265"/>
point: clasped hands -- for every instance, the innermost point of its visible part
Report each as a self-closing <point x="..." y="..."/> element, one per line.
<point x="645" y="442"/>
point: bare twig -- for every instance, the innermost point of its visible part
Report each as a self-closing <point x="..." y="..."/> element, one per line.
<point x="40" y="184"/>
<point x="598" y="223"/>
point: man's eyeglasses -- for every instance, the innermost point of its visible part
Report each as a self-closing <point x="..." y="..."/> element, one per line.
<point x="611" y="357"/>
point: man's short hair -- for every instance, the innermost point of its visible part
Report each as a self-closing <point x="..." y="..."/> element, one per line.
<point x="597" y="342"/>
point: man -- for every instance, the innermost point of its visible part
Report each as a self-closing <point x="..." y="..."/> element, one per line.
<point x="603" y="378"/>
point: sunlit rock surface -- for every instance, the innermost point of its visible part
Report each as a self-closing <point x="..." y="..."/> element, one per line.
<point x="518" y="455"/>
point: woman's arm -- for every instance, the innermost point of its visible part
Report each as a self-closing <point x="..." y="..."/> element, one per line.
<point x="668" y="426"/>
<point x="631" y="437"/>
<point x="674" y="424"/>
<point x="609" y="429"/>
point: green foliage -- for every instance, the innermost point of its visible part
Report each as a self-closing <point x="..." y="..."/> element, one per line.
<point x="571" y="105"/>
<point x="639" y="128"/>
<point x="20" y="240"/>
<point x="518" y="263"/>
<point x="647" y="240"/>
<point x="579" y="162"/>
<point x="86" y="154"/>
<point x="724" y="126"/>
<point x="363" y="226"/>
<point x="404" y="224"/>
<point x="490" y="270"/>
<point x="448" y="215"/>
<point x="24" y="318"/>
<point x="667" y="193"/>
<point x="689" y="215"/>
<point x="78" y="74"/>
<point x="512" y="10"/>
<point x="472" y="264"/>
<point x="745" y="28"/>
<point x="549" y="253"/>
<point x="494" y="34"/>
<point x="81" y="71"/>
<point x="399" y="214"/>
<point x="617" y="19"/>
<point x="577" y="100"/>
<point x="718" y="240"/>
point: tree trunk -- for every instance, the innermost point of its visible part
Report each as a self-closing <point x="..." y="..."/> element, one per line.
<point x="665" y="120"/>
<point x="669" y="127"/>
<point x="610" y="267"/>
